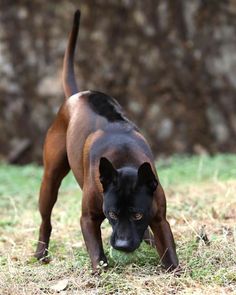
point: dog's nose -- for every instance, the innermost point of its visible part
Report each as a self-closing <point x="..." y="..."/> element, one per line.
<point x="123" y="245"/>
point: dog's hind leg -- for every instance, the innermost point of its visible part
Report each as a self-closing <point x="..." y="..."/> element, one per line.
<point x="55" y="169"/>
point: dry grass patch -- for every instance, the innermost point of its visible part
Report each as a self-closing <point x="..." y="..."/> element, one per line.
<point x="202" y="214"/>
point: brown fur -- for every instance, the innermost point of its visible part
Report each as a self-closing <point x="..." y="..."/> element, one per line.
<point x="74" y="142"/>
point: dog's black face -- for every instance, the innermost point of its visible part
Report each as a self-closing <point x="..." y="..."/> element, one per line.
<point x="128" y="195"/>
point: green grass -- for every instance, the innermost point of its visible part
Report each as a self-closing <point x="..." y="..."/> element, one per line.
<point x="201" y="199"/>
<point x="185" y="170"/>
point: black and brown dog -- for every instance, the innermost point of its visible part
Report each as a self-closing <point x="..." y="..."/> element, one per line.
<point x="114" y="167"/>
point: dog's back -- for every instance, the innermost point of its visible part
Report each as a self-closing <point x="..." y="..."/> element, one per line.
<point x="91" y="115"/>
<point x="97" y="126"/>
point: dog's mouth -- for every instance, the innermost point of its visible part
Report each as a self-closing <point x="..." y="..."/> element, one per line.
<point x="127" y="250"/>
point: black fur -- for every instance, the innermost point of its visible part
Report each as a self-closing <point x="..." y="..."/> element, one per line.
<point x="106" y="106"/>
<point x="124" y="195"/>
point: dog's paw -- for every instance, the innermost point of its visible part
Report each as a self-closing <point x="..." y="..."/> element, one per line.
<point x="42" y="255"/>
<point x="176" y="270"/>
<point x="102" y="264"/>
<point x="100" y="267"/>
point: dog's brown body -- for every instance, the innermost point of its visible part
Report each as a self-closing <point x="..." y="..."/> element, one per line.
<point x="82" y="133"/>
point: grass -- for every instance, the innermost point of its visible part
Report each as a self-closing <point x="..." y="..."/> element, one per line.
<point x="201" y="203"/>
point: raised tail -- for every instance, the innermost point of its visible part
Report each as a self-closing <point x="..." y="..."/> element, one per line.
<point x="68" y="75"/>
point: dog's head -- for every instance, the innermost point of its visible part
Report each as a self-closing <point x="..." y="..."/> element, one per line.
<point x="128" y="195"/>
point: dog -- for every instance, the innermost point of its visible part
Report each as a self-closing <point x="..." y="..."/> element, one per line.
<point x="114" y="166"/>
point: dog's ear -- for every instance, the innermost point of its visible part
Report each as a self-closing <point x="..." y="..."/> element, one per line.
<point x="147" y="177"/>
<point x="108" y="173"/>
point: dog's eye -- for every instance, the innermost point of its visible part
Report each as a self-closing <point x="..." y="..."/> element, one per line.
<point x="137" y="216"/>
<point x="113" y="215"/>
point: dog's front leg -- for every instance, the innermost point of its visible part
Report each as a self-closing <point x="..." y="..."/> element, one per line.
<point x="165" y="244"/>
<point x="163" y="237"/>
<point x="91" y="229"/>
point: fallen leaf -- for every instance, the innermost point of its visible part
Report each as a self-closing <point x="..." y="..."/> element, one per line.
<point x="60" y="285"/>
<point x="231" y="214"/>
<point x="215" y="215"/>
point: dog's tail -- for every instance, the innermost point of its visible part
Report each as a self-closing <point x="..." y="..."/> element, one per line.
<point x="68" y="75"/>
